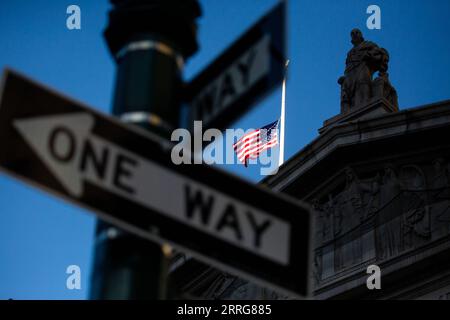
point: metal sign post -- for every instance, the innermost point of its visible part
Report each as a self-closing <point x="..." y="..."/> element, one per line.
<point x="149" y="41"/>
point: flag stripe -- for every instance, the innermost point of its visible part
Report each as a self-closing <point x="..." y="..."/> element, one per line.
<point x="246" y="138"/>
<point x="252" y="147"/>
<point x="252" y="144"/>
<point x="259" y="149"/>
<point x="247" y="142"/>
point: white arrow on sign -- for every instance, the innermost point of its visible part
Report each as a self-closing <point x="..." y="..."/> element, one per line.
<point x="74" y="155"/>
<point x="40" y="132"/>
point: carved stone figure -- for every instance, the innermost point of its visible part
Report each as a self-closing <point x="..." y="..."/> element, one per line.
<point x="416" y="217"/>
<point x="317" y="268"/>
<point x="389" y="221"/>
<point x="440" y="209"/>
<point x="325" y="234"/>
<point x="363" y="60"/>
<point x="351" y="209"/>
<point x="382" y="87"/>
<point x="317" y="210"/>
<point x="325" y="220"/>
<point x="373" y="193"/>
<point x="440" y="178"/>
<point x="328" y="221"/>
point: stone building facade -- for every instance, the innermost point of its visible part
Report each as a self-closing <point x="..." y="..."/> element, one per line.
<point x="379" y="189"/>
<point x="378" y="182"/>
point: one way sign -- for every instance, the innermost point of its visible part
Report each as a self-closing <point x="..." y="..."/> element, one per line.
<point x="126" y="176"/>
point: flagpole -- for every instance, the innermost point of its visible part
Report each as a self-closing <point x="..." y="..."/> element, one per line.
<point x="282" y="117"/>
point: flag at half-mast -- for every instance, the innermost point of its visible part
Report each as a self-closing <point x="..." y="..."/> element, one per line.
<point x="252" y="144"/>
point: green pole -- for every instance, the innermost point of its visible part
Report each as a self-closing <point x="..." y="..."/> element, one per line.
<point x="149" y="40"/>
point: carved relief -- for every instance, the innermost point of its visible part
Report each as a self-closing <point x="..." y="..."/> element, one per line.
<point x="388" y="231"/>
<point x="389" y="213"/>
<point x="416" y="216"/>
<point x="440" y="209"/>
<point x="356" y="204"/>
<point x="395" y="210"/>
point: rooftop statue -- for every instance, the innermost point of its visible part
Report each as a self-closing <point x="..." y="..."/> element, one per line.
<point x="357" y="86"/>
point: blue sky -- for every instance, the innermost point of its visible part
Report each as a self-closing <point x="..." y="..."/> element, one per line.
<point x="41" y="235"/>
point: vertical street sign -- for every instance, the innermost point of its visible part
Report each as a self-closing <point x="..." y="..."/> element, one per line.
<point x="126" y="176"/>
<point x="242" y="75"/>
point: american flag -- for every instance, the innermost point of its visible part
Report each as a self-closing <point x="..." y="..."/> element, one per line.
<point x="252" y="144"/>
